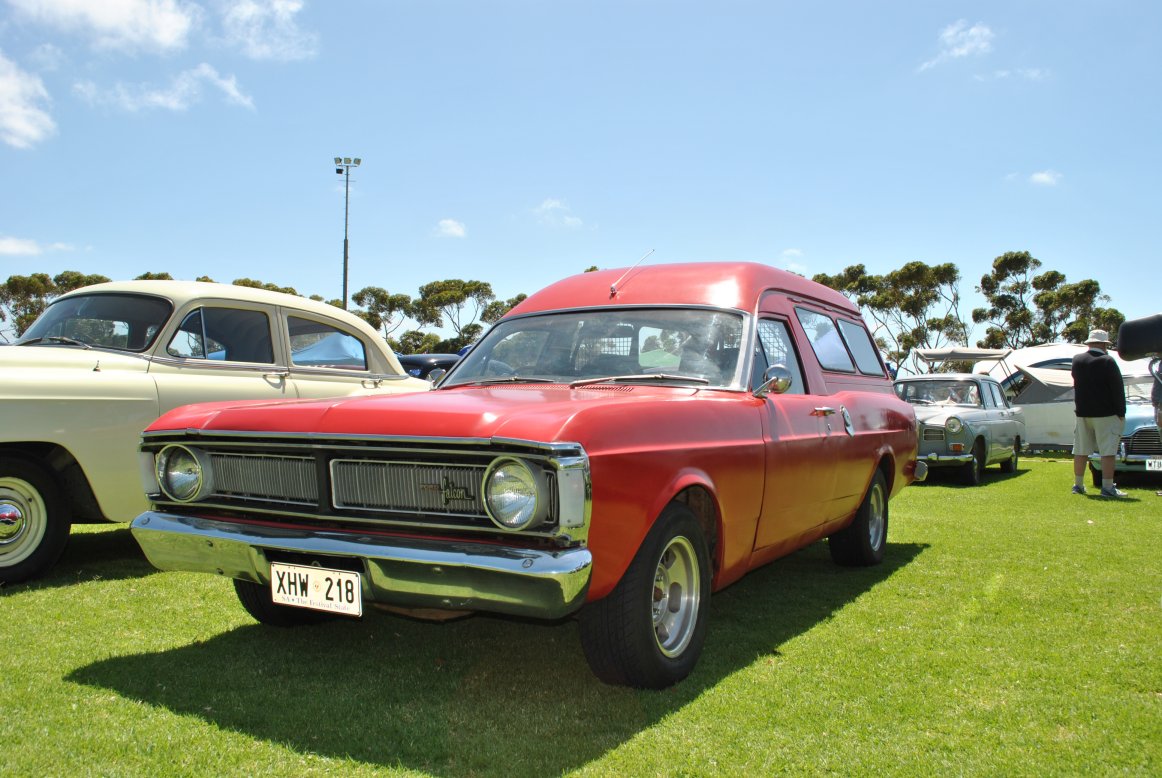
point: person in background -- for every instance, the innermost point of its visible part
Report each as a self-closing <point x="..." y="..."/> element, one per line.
<point x="1099" y="400"/>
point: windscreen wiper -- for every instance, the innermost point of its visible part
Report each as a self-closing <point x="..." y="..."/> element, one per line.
<point x="54" y="339"/>
<point x="641" y="377"/>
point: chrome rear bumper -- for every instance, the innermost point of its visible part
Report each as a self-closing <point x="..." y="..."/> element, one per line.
<point x="404" y="572"/>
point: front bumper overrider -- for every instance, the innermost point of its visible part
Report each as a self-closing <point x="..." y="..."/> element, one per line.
<point x="398" y="571"/>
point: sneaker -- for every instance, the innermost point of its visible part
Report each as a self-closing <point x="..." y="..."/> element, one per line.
<point x="1077" y="489"/>
<point x="1112" y="491"/>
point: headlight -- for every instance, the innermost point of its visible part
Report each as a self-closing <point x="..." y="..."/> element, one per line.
<point x="515" y="494"/>
<point x="953" y="425"/>
<point x="183" y="473"/>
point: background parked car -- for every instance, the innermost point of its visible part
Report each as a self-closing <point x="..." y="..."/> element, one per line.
<point x="966" y="422"/>
<point x="617" y="446"/>
<point x="421" y="365"/>
<point x="102" y="362"/>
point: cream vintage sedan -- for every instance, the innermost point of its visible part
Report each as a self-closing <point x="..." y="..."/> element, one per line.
<point x="102" y="362"/>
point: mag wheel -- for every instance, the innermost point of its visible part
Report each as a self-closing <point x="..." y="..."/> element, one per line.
<point x="863" y="542"/>
<point x="648" y="632"/>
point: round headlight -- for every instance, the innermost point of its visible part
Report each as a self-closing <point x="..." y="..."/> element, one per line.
<point x="182" y="473"/>
<point x="515" y="494"/>
<point x="953" y="425"/>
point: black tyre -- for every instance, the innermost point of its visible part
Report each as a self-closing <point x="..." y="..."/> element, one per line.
<point x="973" y="472"/>
<point x="862" y="543"/>
<point x="1095" y="475"/>
<point x="649" y="631"/>
<point x="256" y="599"/>
<point x="1010" y="464"/>
<point x="34" y="521"/>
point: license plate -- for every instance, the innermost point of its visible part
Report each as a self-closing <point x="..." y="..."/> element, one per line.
<point x="1154" y="464"/>
<point x="317" y="588"/>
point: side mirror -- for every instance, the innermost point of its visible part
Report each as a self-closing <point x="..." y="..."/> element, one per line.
<point x="777" y="379"/>
<point x="436" y="375"/>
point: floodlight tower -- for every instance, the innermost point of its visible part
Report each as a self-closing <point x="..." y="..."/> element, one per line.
<point x="343" y="167"/>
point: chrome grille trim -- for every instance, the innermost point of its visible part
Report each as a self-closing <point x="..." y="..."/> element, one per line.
<point x="933" y="433"/>
<point x="285" y="479"/>
<point x="1145" y="441"/>
<point x="377" y="485"/>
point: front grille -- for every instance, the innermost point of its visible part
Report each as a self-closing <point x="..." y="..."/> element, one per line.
<point x="1145" y="442"/>
<point x="407" y="486"/>
<point x="934" y="433"/>
<point x="433" y="484"/>
<point x="267" y="478"/>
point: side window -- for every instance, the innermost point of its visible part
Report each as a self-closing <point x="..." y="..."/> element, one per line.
<point x="775" y="347"/>
<point x="998" y="396"/>
<point x="825" y="341"/>
<point x="859" y="342"/>
<point x="318" y="344"/>
<point x="228" y="334"/>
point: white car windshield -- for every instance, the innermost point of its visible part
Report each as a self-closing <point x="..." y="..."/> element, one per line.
<point x="680" y="345"/>
<point x="126" y="322"/>
<point x="949" y="392"/>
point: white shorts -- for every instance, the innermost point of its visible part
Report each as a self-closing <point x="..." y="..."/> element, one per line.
<point x="1097" y="433"/>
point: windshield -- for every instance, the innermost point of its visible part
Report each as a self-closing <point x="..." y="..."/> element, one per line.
<point x="685" y="345"/>
<point x="949" y="392"/>
<point x="128" y="322"/>
<point x="1138" y="388"/>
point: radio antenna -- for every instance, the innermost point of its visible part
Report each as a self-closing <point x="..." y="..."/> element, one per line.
<point x="613" y="286"/>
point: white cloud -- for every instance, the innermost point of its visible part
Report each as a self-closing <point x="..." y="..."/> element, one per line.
<point x="450" y="228"/>
<point x="958" y="40"/>
<point x="1027" y="74"/>
<point x="126" y="25"/>
<point x="554" y="213"/>
<point x="24" y="120"/>
<point x="183" y="91"/>
<point x="266" y="29"/>
<point x="23" y="247"/>
<point x="1045" y="178"/>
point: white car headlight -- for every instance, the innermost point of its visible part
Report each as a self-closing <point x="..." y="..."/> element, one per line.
<point x="183" y="473"/>
<point x="953" y="425"/>
<point x="516" y="495"/>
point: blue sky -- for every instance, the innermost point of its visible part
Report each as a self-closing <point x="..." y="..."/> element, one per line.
<point x="520" y="142"/>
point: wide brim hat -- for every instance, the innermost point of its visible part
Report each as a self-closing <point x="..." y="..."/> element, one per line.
<point x="1098" y="337"/>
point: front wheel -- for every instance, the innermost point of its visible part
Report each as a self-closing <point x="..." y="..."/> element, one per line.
<point x="648" y="632"/>
<point x="973" y="471"/>
<point x="34" y="525"/>
<point x="862" y="542"/>
<point x="256" y="599"/>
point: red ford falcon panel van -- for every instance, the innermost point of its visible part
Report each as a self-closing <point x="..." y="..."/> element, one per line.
<point x="618" y="446"/>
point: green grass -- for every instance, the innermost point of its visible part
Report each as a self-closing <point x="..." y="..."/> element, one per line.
<point x="1014" y="629"/>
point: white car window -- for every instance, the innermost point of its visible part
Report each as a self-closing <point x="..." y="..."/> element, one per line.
<point x="318" y="344"/>
<point x="227" y="334"/>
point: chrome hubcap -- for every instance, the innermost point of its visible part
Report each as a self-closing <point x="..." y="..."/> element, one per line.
<point x="676" y="597"/>
<point x="23" y="520"/>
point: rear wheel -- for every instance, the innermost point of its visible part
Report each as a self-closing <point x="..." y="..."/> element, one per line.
<point x="256" y="599"/>
<point x="1095" y="474"/>
<point x="648" y="632"/>
<point x="34" y="525"/>
<point x="862" y="542"/>
<point x="973" y="471"/>
<point x="1010" y="464"/>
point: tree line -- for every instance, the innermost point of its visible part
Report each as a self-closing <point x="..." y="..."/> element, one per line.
<point x="916" y="306"/>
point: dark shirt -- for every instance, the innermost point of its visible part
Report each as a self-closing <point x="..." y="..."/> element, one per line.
<point x="1156" y="392"/>
<point x="1097" y="385"/>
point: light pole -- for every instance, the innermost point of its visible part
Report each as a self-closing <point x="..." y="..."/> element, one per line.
<point x="343" y="167"/>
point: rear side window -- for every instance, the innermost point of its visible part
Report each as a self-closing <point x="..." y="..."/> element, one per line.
<point x="318" y="344"/>
<point x="229" y="334"/>
<point x="825" y="341"/>
<point x="867" y="359"/>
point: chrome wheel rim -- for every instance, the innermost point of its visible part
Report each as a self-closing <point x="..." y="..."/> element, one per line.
<point x="877" y="519"/>
<point x="676" y="597"/>
<point x="23" y="520"/>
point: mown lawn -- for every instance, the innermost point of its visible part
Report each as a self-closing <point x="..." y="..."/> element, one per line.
<point x="1015" y="629"/>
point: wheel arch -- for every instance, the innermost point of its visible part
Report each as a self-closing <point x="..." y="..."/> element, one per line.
<point x="60" y="463"/>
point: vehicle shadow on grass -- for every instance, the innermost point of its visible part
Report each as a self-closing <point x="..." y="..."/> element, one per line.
<point x="482" y="695"/>
<point x="108" y="554"/>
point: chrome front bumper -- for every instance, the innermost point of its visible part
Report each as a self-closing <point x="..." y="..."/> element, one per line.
<point x="404" y="572"/>
<point x="939" y="460"/>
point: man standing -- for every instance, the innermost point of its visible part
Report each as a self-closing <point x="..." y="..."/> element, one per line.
<point x="1099" y="400"/>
